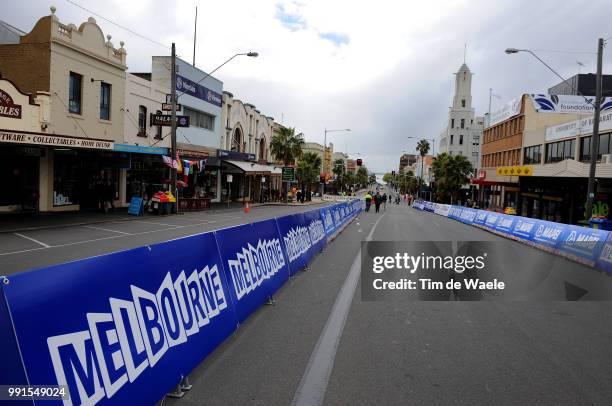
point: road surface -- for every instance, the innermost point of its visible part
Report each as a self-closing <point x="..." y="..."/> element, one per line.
<point x="321" y="344"/>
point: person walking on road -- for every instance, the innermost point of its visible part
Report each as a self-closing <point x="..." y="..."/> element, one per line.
<point x="368" y="201"/>
<point x="384" y="201"/>
<point x="377" y="201"/>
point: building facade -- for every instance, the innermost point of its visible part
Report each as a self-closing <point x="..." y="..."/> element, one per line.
<point x="71" y="142"/>
<point x="463" y="131"/>
<point x="246" y="154"/>
<point x="512" y="145"/>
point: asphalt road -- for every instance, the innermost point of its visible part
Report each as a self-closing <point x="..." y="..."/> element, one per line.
<point x="321" y="344"/>
<point x="34" y="249"/>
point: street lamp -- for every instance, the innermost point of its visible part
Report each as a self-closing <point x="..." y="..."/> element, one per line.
<point x="325" y="153"/>
<point x="596" y="114"/>
<point x="174" y="96"/>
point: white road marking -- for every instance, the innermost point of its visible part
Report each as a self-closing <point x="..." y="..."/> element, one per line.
<point x="155" y="223"/>
<point x="33" y="240"/>
<point x="316" y="376"/>
<point x="107" y="229"/>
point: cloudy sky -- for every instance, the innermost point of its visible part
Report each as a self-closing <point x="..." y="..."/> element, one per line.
<point x="384" y="68"/>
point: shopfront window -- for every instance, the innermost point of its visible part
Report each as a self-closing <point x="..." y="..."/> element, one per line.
<point x="142" y="121"/>
<point x="65" y="178"/>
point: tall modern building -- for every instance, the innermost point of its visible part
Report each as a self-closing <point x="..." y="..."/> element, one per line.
<point x="463" y="132"/>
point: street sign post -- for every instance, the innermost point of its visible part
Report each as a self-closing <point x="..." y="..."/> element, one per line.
<point x="168" y="107"/>
<point x="288" y="176"/>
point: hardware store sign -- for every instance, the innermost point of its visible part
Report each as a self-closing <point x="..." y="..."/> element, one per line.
<point x="54" y="140"/>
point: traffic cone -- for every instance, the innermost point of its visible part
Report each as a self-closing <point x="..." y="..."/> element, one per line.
<point x="247" y="209"/>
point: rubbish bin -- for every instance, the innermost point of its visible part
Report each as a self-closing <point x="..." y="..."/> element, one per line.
<point x="600" y="224"/>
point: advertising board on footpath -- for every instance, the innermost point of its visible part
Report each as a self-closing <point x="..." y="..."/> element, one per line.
<point x="124" y="328"/>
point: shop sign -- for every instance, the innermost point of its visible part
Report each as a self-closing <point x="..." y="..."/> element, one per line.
<point x="7" y="107"/>
<point x="578" y="127"/>
<point x="194" y="89"/>
<point x="166" y="120"/>
<point x="482" y="174"/>
<point x="230" y="178"/>
<point x="54" y="140"/>
<point x="514" y="170"/>
<point x="238" y="156"/>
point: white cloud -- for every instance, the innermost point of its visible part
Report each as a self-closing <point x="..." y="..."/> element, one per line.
<point x="391" y="78"/>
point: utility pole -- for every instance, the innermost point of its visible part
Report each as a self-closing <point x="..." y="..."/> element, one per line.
<point x="595" y="136"/>
<point x="173" y="125"/>
<point x="195" y="31"/>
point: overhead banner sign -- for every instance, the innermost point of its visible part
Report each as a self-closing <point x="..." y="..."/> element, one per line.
<point x="510" y="109"/>
<point x="54" y="140"/>
<point x="568" y="104"/>
<point x="579" y="127"/>
<point x="194" y="89"/>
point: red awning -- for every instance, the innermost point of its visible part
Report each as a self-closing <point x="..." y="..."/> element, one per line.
<point x="482" y="182"/>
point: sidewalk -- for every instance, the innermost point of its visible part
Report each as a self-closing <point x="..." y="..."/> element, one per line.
<point x="20" y="222"/>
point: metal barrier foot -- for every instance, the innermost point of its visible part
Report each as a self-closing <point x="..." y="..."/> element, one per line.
<point x="181" y="388"/>
<point x="271" y="301"/>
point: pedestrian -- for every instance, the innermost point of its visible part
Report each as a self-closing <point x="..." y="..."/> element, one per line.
<point x="299" y="196"/>
<point x="384" y="201"/>
<point x="377" y="201"/>
<point x="368" y="201"/>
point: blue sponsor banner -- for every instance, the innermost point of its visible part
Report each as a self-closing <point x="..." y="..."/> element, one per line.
<point x="316" y="230"/>
<point x="467" y="215"/>
<point x="481" y="217"/>
<point x="122" y="328"/>
<point x="585" y="243"/>
<point x="296" y="241"/>
<point x="491" y="220"/>
<point x="254" y="263"/>
<point x="548" y="234"/>
<point x="505" y="223"/>
<point x="328" y="221"/>
<point x="455" y="212"/>
<point x="524" y="228"/>
<point x="604" y="260"/>
<point x="11" y="370"/>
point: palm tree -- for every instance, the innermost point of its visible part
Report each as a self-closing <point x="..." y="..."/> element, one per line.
<point x="451" y="173"/>
<point x="286" y="145"/>
<point x="423" y="148"/>
<point x="308" y="169"/>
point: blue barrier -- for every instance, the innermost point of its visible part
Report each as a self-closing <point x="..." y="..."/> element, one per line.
<point x="467" y="215"/>
<point x="604" y="260"/>
<point x="123" y="326"/>
<point x="583" y="243"/>
<point x="548" y="234"/>
<point x="524" y="228"/>
<point x="255" y="263"/>
<point x="505" y="224"/>
<point x="481" y="217"/>
<point x="296" y="241"/>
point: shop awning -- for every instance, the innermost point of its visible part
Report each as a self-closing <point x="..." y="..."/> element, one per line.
<point x="253" y="168"/>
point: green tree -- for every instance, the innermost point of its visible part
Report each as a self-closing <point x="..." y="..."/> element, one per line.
<point x="362" y="176"/>
<point x="308" y="168"/>
<point x="451" y="172"/>
<point x="349" y="179"/>
<point x="423" y="148"/>
<point x="388" y="178"/>
<point x="339" y="171"/>
<point x="287" y="146"/>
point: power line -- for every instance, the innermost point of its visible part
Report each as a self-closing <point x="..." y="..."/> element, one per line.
<point x="118" y="25"/>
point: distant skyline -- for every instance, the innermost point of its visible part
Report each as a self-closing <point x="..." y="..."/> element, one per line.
<point x="385" y="70"/>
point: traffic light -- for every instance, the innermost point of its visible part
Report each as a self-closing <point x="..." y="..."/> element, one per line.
<point x="359" y="162"/>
